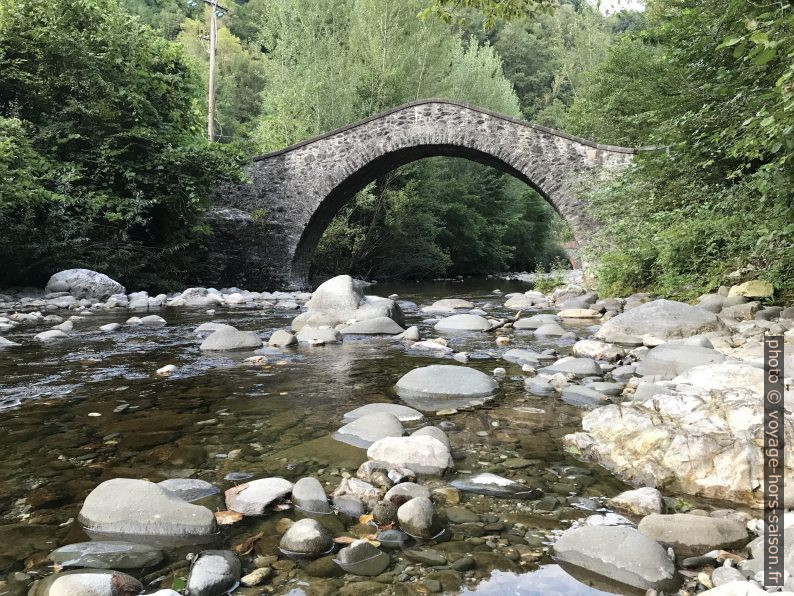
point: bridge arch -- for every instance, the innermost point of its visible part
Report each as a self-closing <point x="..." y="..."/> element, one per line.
<point x="302" y="187"/>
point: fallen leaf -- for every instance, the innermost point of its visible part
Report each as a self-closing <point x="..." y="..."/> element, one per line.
<point x="724" y="554"/>
<point x="374" y="543"/>
<point x="389" y="526"/>
<point x="236" y="489"/>
<point x="345" y="539"/>
<point x="247" y="545"/>
<point x="280" y="507"/>
<point x="225" y="518"/>
<point x="365" y="519"/>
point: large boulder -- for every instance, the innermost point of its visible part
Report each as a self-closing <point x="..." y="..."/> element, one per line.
<point x="444" y="386"/>
<point x="620" y="554"/>
<point x="659" y="321"/>
<point x="704" y="439"/>
<point x="306" y="538"/>
<point x="341" y="299"/>
<point x="86" y="582"/>
<point x="463" y="323"/>
<point x="422" y="454"/>
<point x="84" y="283"/>
<point x="143" y="512"/>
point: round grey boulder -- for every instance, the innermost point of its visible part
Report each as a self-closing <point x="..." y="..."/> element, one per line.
<point x="306" y="538"/>
<point x="308" y="496"/>
<point x="464" y="322"/>
<point x="417" y="518"/>
<point x="213" y="573"/>
<point x="550" y="329"/>
<point x="229" y="339"/>
<point x="434" y="387"/>
<point x="282" y="339"/>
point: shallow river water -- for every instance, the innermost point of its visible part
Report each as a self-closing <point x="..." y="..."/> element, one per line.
<point x="91" y="408"/>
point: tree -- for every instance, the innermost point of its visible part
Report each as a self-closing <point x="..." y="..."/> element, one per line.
<point x="109" y="113"/>
<point x="491" y="10"/>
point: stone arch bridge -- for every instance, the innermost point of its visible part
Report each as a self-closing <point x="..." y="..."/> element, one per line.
<point x="273" y="224"/>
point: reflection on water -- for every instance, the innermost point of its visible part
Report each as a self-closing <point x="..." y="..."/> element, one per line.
<point x="90" y="408"/>
<point x="549" y="580"/>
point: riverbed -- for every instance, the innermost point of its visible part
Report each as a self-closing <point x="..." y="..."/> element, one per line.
<point x="90" y="408"/>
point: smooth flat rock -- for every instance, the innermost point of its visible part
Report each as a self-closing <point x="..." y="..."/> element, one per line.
<point x="144" y="512"/>
<point x="108" y="554"/>
<point x="421" y="454"/>
<point x="693" y="535"/>
<point x="431" y="388"/>
<point x="253" y="498"/>
<point x="619" y="553"/>
<point x="579" y="367"/>
<point x="7" y="343"/>
<point x="464" y="322"/>
<point x="521" y="356"/>
<point x="659" y="321"/>
<point x="495" y="486"/>
<point x="228" y="339"/>
<point x="189" y="489"/>
<point x="375" y="326"/>
<point x="367" y="429"/>
<point x="583" y="397"/>
<point x="671" y="359"/>
<point x="401" y="412"/>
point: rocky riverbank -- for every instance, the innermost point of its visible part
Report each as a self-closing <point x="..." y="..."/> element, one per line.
<point x="669" y="396"/>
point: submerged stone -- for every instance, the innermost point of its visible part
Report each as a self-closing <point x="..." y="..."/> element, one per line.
<point x="432" y="388"/>
<point x="253" y="498"/>
<point x="109" y="554"/>
<point x="619" y="553"/>
<point x="189" y="489"/>
<point x="213" y="573"/>
<point x="495" y="486"/>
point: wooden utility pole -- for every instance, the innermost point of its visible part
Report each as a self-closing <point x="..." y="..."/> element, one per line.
<point x="214" y="9"/>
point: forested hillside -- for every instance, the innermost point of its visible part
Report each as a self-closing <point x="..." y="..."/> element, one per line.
<point x="105" y="162"/>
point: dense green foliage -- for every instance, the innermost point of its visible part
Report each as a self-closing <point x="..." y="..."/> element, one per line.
<point x="712" y="81"/>
<point x="103" y="162"/>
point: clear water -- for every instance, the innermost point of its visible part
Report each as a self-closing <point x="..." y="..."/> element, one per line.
<point x="91" y="408"/>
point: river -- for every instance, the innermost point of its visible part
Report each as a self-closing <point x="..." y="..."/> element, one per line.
<point x="91" y="408"/>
